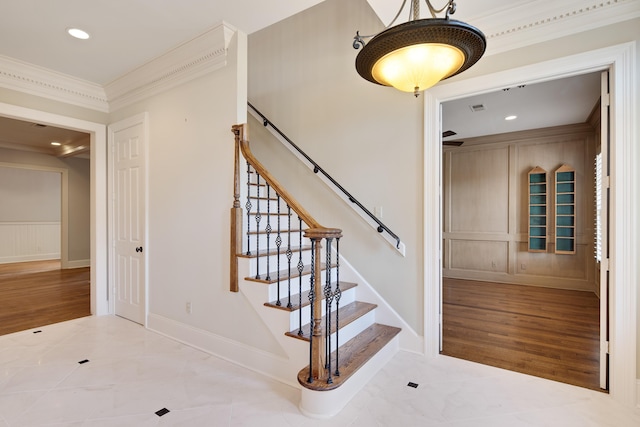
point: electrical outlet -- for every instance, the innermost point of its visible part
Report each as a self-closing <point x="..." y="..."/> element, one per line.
<point x="523" y="266"/>
<point x="188" y="307"/>
<point x="493" y="264"/>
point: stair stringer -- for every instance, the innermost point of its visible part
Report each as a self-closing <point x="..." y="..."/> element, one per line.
<point x="325" y="404"/>
<point x="409" y="339"/>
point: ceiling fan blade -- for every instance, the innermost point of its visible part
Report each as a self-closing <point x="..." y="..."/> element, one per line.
<point x="453" y="143"/>
<point x="447" y="133"/>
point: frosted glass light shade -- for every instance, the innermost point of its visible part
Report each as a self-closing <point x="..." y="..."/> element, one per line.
<point x="420" y="53"/>
<point x="417" y="67"/>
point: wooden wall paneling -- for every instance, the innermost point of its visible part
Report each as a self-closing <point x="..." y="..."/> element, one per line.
<point x="496" y="208"/>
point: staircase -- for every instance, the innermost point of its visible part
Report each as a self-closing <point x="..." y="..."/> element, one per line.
<point x="289" y="267"/>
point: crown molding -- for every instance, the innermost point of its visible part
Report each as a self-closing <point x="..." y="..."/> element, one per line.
<point x="38" y="81"/>
<point x="525" y="22"/>
<point x="204" y="54"/>
<point x="201" y="55"/>
<point x="543" y="20"/>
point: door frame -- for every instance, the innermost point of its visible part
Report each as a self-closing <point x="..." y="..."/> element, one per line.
<point x="624" y="206"/>
<point x="137" y="119"/>
<point x="98" y="196"/>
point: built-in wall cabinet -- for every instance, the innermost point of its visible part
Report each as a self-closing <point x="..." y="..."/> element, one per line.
<point x="537" y="210"/>
<point x="565" y="220"/>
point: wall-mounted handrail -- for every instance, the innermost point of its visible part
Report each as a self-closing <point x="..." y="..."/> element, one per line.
<point x="317" y="168"/>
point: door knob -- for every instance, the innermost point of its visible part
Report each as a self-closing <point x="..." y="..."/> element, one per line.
<point x="139" y="249"/>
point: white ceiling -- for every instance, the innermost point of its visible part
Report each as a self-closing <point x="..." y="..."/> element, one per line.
<point x="555" y="103"/>
<point x="124" y="33"/>
<point x="128" y="33"/>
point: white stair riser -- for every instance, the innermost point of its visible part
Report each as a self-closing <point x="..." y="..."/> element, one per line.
<point x="295" y="285"/>
<point x="354" y="328"/>
<point x="261" y="263"/>
<point x="347" y="297"/>
<point x="262" y="242"/>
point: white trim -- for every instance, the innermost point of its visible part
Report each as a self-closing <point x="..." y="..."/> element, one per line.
<point x="38" y="81"/>
<point x="624" y="234"/>
<point x="522" y="23"/>
<point x="98" y="133"/>
<point x="233" y="351"/>
<point x="535" y="22"/>
<point x="80" y="263"/>
<point x="409" y="340"/>
<point x="201" y="55"/>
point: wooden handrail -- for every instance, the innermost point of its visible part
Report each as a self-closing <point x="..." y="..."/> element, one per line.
<point x="315" y="228"/>
<point x="315" y="232"/>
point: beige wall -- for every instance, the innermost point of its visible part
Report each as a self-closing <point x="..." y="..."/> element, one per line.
<point x="190" y="191"/>
<point x="369" y="138"/>
<point x="486" y="208"/>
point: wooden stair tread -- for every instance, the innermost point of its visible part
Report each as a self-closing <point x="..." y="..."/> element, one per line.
<point x="348" y="314"/>
<point x="285" y="273"/>
<point x="284" y="302"/>
<point x="353" y="355"/>
<point x="274" y="251"/>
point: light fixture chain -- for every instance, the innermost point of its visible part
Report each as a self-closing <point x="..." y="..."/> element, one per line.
<point x="416" y="9"/>
<point x="450" y="7"/>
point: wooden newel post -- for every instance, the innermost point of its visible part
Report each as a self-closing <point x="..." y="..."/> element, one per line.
<point x="240" y="132"/>
<point x="319" y="336"/>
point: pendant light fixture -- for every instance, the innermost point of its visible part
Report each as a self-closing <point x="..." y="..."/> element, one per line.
<point x="418" y="54"/>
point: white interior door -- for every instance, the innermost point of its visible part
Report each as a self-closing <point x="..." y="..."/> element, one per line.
<point x="127" y="150"/>
<point x="602" y="226"/>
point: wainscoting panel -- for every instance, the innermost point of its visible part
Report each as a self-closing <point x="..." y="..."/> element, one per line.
<point x="479" y="255"/>
<point x="29" y="241"/>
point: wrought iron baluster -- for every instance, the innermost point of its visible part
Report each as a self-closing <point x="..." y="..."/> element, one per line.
<point x="248" y="206"/>
<point x="268" y="229"/>
<point x="328" y="295"/>
<point x="312" y="297"/>
<point x="258" y="217"/>
<point x="338" y="295"/>
<point x="278" y="244"/>
<point x="289" y="255"/>
<point x="300" y="269"/>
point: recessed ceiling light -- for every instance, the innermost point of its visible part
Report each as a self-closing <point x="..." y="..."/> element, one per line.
<point x="78" y="33"/>
<point x="511" y="117"/>
<point x="55" y="143"/>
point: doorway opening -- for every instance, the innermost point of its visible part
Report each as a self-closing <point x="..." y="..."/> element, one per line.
<point x="620" y="59"/>
<point x="513" y="296"/>
<point x="98" y="192"/>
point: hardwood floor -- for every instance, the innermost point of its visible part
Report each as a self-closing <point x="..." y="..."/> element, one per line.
<point x="39" y="293"/>
<point x="549" y="333"/>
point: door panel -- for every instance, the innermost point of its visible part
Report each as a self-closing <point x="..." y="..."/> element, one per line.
<point x="127" y="143"/>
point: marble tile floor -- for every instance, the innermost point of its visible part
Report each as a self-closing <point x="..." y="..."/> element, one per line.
<point x="130" y="373"/>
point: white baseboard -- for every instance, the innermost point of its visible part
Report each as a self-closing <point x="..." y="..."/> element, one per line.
<point x="77" y="263"/>
<point x="27" y="258"/>
<point x="270" y="365"/>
